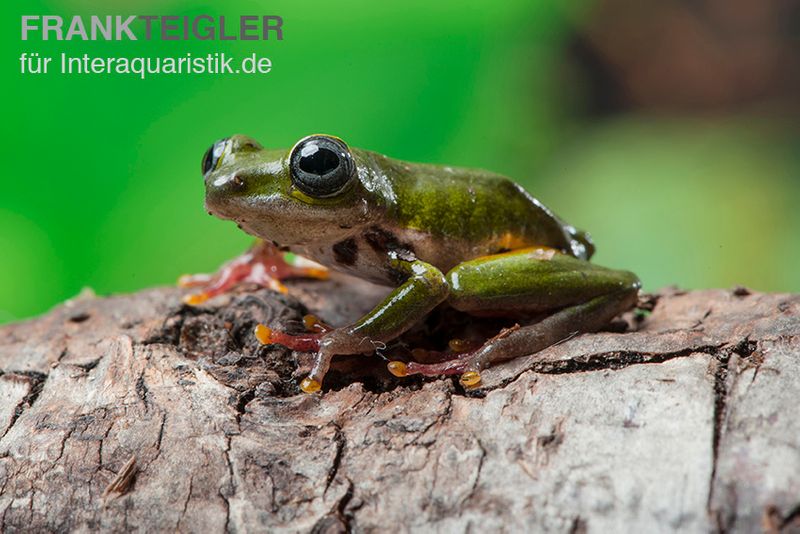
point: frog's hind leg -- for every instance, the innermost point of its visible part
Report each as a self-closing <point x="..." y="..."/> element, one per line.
<point x="584" y="297"/>
<point x="263" y="264"/>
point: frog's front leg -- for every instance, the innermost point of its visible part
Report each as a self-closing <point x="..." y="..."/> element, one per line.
<point x="422" y="288"/>
<point x="263" y="264"/>
<point x="582" y="296"/>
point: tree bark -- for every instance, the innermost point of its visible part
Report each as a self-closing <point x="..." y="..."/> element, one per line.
<point x="135" y="412"/>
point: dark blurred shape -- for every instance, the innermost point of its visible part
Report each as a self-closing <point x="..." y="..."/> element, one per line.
<point x="689" y="56"/>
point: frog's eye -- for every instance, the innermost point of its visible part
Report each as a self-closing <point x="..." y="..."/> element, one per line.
<point x="321" y="166"/>
<point x="212" y="155"/>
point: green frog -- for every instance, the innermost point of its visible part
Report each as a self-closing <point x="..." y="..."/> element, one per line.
<point x="439" y="235"/>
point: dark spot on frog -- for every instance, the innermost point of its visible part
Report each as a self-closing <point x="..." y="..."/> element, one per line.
<point x="382" y="240"/>
<point x="346" y="252"/>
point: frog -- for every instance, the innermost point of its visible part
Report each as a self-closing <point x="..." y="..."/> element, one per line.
<point x="437" y="235"/>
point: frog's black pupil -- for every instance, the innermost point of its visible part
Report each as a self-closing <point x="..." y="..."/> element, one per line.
<point x="318" y="160"/>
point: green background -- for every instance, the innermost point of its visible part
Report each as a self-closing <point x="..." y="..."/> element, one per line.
<point x="102" y="188"/>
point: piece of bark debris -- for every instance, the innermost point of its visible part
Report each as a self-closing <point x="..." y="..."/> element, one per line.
<point x="123" y="481"/>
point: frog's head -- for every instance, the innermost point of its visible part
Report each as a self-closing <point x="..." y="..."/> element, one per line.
<point x="309" y="194"/>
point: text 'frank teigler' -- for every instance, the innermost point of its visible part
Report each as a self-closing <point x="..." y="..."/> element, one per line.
<point x="152" y="27"/>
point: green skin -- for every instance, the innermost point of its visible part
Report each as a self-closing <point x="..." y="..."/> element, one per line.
<point x="473" y="239"/>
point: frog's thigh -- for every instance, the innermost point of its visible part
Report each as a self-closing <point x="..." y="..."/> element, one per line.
<point x="586" y="297"/>
<point x="532" y="280"/>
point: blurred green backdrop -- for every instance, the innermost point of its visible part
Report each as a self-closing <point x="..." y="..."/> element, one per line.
<point x="101" y="184"/>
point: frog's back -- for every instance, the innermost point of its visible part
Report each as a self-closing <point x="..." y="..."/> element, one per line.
<point x="455" y="214"/>
<point x="452" y="214"/>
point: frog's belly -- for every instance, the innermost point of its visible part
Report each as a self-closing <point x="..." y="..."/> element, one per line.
<point x="352" y="256"/>
<point x="366" y="255"/>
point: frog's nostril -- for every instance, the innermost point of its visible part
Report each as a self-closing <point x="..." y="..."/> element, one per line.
<point x="237" y="182"/>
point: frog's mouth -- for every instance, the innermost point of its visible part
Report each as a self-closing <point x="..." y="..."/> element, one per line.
<point x="218" y="210"/>
<point x="258" y="216"/>
<point x="228" y="204"/>
<point x="227" y="211"/>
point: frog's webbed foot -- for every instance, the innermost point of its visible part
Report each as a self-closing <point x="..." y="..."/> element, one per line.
<point x="467" y="363"/>
<point x="310" y="341"/>
<point x="264" y="264"/>
<point x="324" y="344"/>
